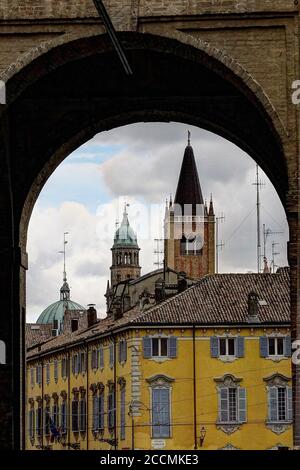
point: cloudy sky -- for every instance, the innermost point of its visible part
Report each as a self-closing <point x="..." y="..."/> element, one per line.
<point x="139" y="164"/>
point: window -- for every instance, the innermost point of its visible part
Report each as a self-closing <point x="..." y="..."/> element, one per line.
<point x="192" y="245"/>
<point x="56" y="371"/>
<point x="74" y="325"/>
<point x="123" y="414"/>
<point x="55" y="415"/>
<point x="232" y="405"/>
<point x="276" y="346"/>
<point x="75" y="423"/>
<point x="32" y="377"/>
<point x="122" y="350"/>
<point x="101" y="411"/>
<point x="280" y="404"/>
<point x="111" y="355"/>
<point x="94" y="359"/>
<point x="82" y="415"/>
<point x="63" y="417"/>
<point x="48" y="373"/>
<point x="39" y="421"/>
<point x="95" y="413"/>
<point x="160" y="413"/>
<point x="31" y="419"/>
<point x="111" y="411"/>
<point x="101" y="358"/>
<point x="47" y="420"/>
<point x="159" y="347"/>
<point x="227" y="347"/>
<point x="64" y="371"/>
<point x="39" y="374"/>
<point x="82" y="362"/>
<point x="75" y="364"/>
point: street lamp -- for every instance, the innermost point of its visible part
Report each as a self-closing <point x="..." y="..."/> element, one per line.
<point x="202" y="435"/>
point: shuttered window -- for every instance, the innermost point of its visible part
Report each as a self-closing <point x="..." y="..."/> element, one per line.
<point x="56" y="371"/>
<point x="232" y="405"/>
<point x="95" y="413"/>
<point x="275" y="346"/>
<point x="101" y="412"/>
<point x="31" y="423"/>
<point x="32" y="377"/>
<point x="123" y="414"/>
<point x="123" y="350"/>
<point x="82" y="415"/>
<point x="111" y="355"/>
<point x="159" y="347"/>
<point x="111" y="412"/>
<point x="227" y="347"/>
<point x="280" y="404"/>
<point x="55" y="415"/>
<point x="48" y="373"/>
<point x="47" y="419"/>
<point x="39" y="421"/>
<point x="161" y="426"/>
<point x="63" y="417"/>
<point x="94" y="359"/>
<point x="101" y="358"/>
<point x="75" y="421"/>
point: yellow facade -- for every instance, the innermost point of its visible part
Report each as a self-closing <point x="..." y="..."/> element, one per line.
<point x="193" y="380"/>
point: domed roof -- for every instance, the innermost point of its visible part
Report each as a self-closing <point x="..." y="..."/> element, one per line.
<point x="56" y="311"/>
<point x="124" y="235"/>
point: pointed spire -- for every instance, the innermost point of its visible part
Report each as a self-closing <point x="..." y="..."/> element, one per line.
<point x="211" y="206"/>
<point x="189" y="189"/>
<point x="189" y="139"/>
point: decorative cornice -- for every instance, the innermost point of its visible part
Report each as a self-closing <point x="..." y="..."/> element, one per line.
<point x="55" y="397"/>
<point x="228" y="379"/>
<point x="277" y="379"/>
<point x="160" y="379"/>
<point x="64" y="395"/>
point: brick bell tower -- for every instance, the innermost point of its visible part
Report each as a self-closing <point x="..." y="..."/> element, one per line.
<point x="189" y="225"/>
<point x="125" y="253"/>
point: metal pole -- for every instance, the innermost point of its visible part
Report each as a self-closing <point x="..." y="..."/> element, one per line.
<point x="258" y="222"/>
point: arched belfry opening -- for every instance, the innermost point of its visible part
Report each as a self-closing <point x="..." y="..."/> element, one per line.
<point x="73" y="90"/>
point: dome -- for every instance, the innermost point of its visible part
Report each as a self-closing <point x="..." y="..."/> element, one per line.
<point x="56" y="311"/>
<point x="124" y="235"/>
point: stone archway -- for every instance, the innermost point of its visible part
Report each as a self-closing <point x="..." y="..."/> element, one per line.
<point x="64" y="93"/>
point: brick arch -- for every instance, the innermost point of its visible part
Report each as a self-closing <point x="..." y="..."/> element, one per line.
<point x="56" y="47"/>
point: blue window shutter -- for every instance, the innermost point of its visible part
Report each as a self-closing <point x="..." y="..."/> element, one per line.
<point x="101" y="358"/>
<point x="273" y="404"/>
<point x="165" y="412"/>
<point x="120" y="350"/>
<point x="223" y="405"/>
<point x="155" y="413"/>
<point x="288" y="346"/>
<point x="214" y="346"/>
<point x="240" y="346"/>
<point x="111" y="355"/>
<point x="290" y="403"/>
<point x="172" y="347"/>
<point x="264" y="346"/>
<point x="147" y="347"/>
<point x="242" y="397"/>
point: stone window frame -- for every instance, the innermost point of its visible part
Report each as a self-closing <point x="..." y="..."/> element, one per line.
<point x="160" y="381"/>
<point x="75" y="399"/>
<point x="229" y="335"/>
<point x="276" y="334"/>
<point x="229" y="381"/>
<point x="277" y="380"/>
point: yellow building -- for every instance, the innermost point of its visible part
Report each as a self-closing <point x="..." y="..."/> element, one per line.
<point x="206" y="369"/>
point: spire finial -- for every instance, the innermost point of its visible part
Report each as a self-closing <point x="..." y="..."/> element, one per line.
<point x="189" y="138"/>
<point x="125" y="207"/>
<point x="65" y="291"/>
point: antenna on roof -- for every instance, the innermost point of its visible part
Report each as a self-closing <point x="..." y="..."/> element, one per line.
<point x="64" y="253"/>
<point x="259" y="184"/>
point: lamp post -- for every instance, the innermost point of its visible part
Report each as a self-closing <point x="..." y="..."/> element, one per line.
<point x="202" y="435"/>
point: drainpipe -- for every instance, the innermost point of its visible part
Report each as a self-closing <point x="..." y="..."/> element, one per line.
<point x="87" y="397"/>
<point x="195" y="388"/>
<point x="115" y="390"/>
<point x="68" y="400"/>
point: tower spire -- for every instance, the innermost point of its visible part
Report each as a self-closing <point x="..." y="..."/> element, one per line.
<point x="189" y="138"/>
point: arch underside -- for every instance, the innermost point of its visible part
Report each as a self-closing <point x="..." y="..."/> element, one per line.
<point x="63" y="98"/>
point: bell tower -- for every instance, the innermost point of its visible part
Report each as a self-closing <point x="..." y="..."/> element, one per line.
<point x="189" y="224"/>
<point x="125" y="253"/>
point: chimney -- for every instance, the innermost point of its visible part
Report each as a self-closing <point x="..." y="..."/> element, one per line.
<point x="182" y="282"/>
<point x="253" y="307"/>
<point x="91" y="315"/>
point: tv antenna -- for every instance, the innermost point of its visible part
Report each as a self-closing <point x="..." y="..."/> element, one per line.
<point x="274" y="253"/>
<point x="219" y="244"/>
<point x="267" y="232"/>
<point x="259" y="184"/>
